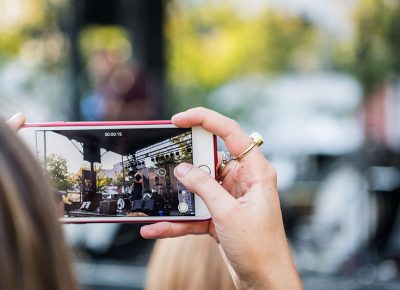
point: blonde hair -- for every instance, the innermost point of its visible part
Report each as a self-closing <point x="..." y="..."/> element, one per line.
<point x="190" y="262"/>
<point x="33" y="253"/>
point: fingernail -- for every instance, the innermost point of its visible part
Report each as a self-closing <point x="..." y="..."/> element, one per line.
<point x="147" y="228"/>
<point x="16" y="116"/>
<point x="181" y="170"/>
<point x="179" y="115"/>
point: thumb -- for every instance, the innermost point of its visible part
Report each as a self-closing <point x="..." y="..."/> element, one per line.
<point x="218" y="201"/>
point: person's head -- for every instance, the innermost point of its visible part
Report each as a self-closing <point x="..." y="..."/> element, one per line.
<point x="190" y="262"/>
<point x="32" y="249"/>
<point x="138" y="177"/>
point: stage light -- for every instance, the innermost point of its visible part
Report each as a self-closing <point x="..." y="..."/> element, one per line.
<point x="177" y="153"/>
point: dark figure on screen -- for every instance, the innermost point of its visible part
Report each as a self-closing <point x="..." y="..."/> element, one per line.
<point x="137" y="187"/>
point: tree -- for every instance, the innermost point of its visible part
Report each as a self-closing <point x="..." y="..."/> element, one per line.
<point x="102" y="180"/>
<point x="57" y="169"/>
<point x="185" y="151"/>
<point x="209" y="45"/>
<point x="377" y="44"/>
<point x="373" y="55"/>
<point x="118" y="179"/>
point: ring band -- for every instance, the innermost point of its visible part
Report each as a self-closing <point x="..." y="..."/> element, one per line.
<point x="227" y="157"/>
<point x="257" y="140"/>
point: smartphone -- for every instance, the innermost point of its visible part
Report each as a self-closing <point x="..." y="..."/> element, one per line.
<point x="122" y="171"/>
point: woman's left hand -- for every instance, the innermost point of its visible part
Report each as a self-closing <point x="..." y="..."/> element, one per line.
<point x="16" y="121"/>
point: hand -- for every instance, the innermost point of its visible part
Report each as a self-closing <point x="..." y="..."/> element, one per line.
<point x="245" y="210"/>
<point x="16" y="121"/>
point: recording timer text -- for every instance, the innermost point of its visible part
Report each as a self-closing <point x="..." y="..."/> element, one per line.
<point x="113" y="134"/>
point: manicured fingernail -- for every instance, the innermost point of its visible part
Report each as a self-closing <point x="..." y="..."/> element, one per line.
<point x="181" y="170"/>
<point x="177" y="116"/>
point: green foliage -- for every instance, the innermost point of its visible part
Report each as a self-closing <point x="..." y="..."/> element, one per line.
<point x="34" y="21"/>
<point x="57" y="169"/>
<point x="374" y="57"/>
<point x="114" y="39"/>
<point x="185" y="152"/>
<point x="211" y="44"/>
<point x="14" y="25"/>
<point x="283" y="37"/>
<point x="102" y="180"/>
<point x="118" y="179"/>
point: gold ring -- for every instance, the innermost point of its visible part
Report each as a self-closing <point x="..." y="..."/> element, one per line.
<point x="256" y="139"/>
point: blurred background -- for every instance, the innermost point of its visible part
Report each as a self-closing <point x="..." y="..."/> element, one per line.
<point x="318" y="79"/>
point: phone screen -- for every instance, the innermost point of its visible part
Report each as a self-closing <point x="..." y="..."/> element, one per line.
<point x="117" y="172"/>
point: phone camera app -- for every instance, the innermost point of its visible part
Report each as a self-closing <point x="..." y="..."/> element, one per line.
<point x="125" y="172"/>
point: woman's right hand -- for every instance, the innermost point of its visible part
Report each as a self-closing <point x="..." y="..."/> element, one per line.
<point x="245" y="209"/>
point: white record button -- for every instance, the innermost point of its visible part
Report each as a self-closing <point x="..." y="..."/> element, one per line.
<point x="183" y="207"/>
<point x="205" y="168"/>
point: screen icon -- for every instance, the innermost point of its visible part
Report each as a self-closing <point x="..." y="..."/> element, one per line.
<point x="183" y="207"/>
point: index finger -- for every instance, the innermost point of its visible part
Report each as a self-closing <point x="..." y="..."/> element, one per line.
<point x="236" y="140"/>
